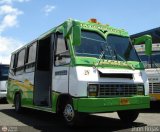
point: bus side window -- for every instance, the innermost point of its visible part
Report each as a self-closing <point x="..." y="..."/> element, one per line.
<point x="20" y="62"/>
<point x="62" y="56"/>
<point x="31" y="57"/>
<point x="13" y="62"/>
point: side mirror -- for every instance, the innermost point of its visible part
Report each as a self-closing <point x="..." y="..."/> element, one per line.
<point x="76" y="35"/>
<point x="147" y="39"/>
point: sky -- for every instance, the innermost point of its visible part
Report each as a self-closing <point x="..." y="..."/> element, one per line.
<point x="22" y="21"/>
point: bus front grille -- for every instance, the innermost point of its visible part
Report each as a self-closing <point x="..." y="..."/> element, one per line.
<point x="154" y="87"/>
<point x="118" y="89"/>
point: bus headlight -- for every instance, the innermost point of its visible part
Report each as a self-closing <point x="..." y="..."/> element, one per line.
<point x="140" y="90"/>
<point x="92" y="90"/>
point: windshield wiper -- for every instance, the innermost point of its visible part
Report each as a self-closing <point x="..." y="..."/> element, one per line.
<point x="117" y="55"/>
<point x="102" y="54"/>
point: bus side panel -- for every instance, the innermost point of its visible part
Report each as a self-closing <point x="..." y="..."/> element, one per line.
<point x="27" y="86"/>
<point x="55" y="96"/>
<point x="10" y="91"/>
<point x="60" y="79"/>
<point x="22" y="84"/>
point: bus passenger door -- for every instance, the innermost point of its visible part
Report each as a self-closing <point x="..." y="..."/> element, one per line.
<point x="43" y="73"/>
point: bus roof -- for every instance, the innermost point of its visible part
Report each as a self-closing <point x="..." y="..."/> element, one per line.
<point x="84" y="25"/>
<point x="155" y="33"/>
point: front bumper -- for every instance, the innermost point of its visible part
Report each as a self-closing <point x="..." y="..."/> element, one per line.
<point x="155" y="97"/>
<point x="94" y="105"/>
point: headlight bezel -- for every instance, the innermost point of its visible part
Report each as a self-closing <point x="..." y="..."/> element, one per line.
<point x="140" y="90"/>
<point x="93" y="90"/>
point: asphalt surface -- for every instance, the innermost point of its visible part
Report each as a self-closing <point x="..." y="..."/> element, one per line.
<point x="34" y="120"/>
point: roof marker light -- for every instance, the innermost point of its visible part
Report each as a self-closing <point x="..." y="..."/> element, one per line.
<point x="93" y="20"/>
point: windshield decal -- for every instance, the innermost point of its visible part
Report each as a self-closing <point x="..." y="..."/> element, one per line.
<point x="101" y="28"/>
<point x="116" y="63"/>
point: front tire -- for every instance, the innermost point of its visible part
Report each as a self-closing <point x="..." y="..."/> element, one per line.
<point x="17" y="103"/>
<point x="69" y="114"/>
<point x="128" y="116"/>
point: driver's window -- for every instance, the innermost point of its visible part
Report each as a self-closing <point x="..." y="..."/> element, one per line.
<point x="62" y="53"/>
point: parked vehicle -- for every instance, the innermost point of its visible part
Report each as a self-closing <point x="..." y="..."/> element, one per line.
<point x="3" y="78"/>
<point x="152" y="62"/>
<point x="80" y="67"/>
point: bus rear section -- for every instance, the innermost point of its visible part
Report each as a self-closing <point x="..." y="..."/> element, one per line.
<point x="3" y="80"/>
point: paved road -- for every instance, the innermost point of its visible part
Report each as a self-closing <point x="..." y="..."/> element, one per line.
<point x="33" y="120"/>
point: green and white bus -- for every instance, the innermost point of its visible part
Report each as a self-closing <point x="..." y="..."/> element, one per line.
<point x="80" y="67"/>
<point x="151" y="63"/>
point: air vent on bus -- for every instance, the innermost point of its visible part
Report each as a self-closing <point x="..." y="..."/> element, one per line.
<point x="116" y="75"/>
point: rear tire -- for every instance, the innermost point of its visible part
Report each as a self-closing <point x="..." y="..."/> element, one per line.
<point x="17" y="103"/>
<point x="128" y="116"/>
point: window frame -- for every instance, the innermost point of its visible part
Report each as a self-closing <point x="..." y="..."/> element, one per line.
<point x="66" y="46"/>
<point x="30" y="66"/>
<point x="24" y="49"/>
<point x="20" y="69"/>
<point x="27" y="56"/>
<point x="13" y="62"/>
<point x="55" y="50"/>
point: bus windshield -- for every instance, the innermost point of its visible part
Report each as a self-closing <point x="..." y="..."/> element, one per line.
<point x="115" y="47"/>
<point x="152" y="61"/>
<point x="3" y="72"/>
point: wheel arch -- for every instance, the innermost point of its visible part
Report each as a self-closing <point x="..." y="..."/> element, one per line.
<point x="15" y="93"/>
<point x="62" y="98"/>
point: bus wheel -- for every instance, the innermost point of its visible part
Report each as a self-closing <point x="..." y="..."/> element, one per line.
<point x="70" y="115"/>
<point x="128" y="116"/>
<point x="18" y="103"/>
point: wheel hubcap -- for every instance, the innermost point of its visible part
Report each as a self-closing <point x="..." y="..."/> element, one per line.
<point x="68" y="112"/>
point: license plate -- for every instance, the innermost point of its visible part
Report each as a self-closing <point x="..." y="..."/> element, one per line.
<point x="124" y="101"/>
